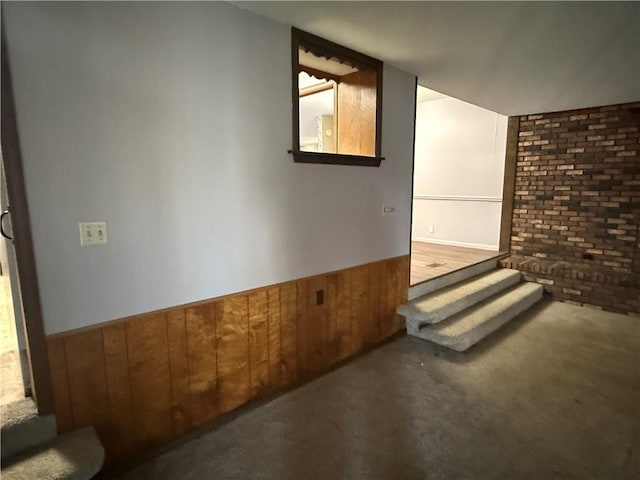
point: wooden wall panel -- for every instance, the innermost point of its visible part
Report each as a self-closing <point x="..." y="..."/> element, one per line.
<point x="232" y="345"/>
<point x="60" y="383"/>
<point x="150" y="379"/>
<point x="359" y="307"/>
<point x="403" y="267"/>
<point x="275" y="374"/>
<point x="88" y="380"/>
<point x="259" y="342"/>
<point x="302" y="299"/>
<point x="332" y="292"/>
<point x="372" y="332"/>
<point x="509" y="183"/>
<point x="344" y="326"/>
<point x="389" y="296"/>
<point x="202" y="361"/>
<point x="357" y="113"/>
<point x="179" y="371"/>
<point x="317" y="329"/>
<point x="288" y="333"/>
<point x="146" y="379"/>
<point x="121" y="440"/>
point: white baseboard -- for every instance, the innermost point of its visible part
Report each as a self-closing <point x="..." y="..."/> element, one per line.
<point x="481" y="246"/>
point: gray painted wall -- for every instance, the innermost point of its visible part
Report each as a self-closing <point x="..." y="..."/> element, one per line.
<point x="171" y="122"/>
<point x="458" y="175"/>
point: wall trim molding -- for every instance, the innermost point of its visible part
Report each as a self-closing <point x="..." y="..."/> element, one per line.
<point x="453" y="243"/>
<point x="459" y="198"/>
<point x="509" y="183"/>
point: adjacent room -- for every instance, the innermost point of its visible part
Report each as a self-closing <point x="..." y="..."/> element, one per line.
<point x="458" y="176"/>
<point x="312" y="240"/>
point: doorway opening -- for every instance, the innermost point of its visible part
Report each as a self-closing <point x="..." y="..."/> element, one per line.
<point x="457" y="185"/>
<point x="14" y="373"/>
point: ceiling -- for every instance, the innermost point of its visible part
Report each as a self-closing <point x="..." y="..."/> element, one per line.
<point x="426" y="95"/>
<point x="510" y="57"/>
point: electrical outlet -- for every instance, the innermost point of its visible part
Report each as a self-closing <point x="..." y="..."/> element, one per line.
<point x="93" y="233"/>
<point x="388" y="209"/>
<point x="431" y="229"/>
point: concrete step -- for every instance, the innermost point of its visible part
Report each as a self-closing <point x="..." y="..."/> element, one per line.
<point x="467" y="328"/>
<point x="78" y="455"/>
<point x="22" y="428"/>
<point x="452" y="278"/>
<point x="442" y="304"/>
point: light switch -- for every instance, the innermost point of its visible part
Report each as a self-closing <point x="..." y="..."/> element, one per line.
<point x="93" y="233"/>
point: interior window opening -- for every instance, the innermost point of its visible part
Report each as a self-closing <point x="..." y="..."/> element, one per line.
<point x="337" y="103"/>
<point x="317" y="114"/>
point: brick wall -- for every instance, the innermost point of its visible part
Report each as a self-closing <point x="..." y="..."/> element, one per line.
<point x="577" y="205"/>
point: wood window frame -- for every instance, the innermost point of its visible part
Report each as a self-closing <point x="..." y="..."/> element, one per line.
<point x="298" y="38"/>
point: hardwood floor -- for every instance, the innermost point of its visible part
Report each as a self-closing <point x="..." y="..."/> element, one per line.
<point x="11" y="387"/>
<point x="430" y="260"/>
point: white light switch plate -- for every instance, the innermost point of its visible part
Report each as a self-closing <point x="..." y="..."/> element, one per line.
<point x="93" y="233"/>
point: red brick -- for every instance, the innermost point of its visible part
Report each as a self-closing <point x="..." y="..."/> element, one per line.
<point x="571" y="186"/>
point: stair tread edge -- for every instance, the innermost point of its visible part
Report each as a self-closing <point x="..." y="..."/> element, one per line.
<point x="495" y="306"/>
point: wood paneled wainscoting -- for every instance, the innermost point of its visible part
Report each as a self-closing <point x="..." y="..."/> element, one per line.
<point x="144" y="380"/>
